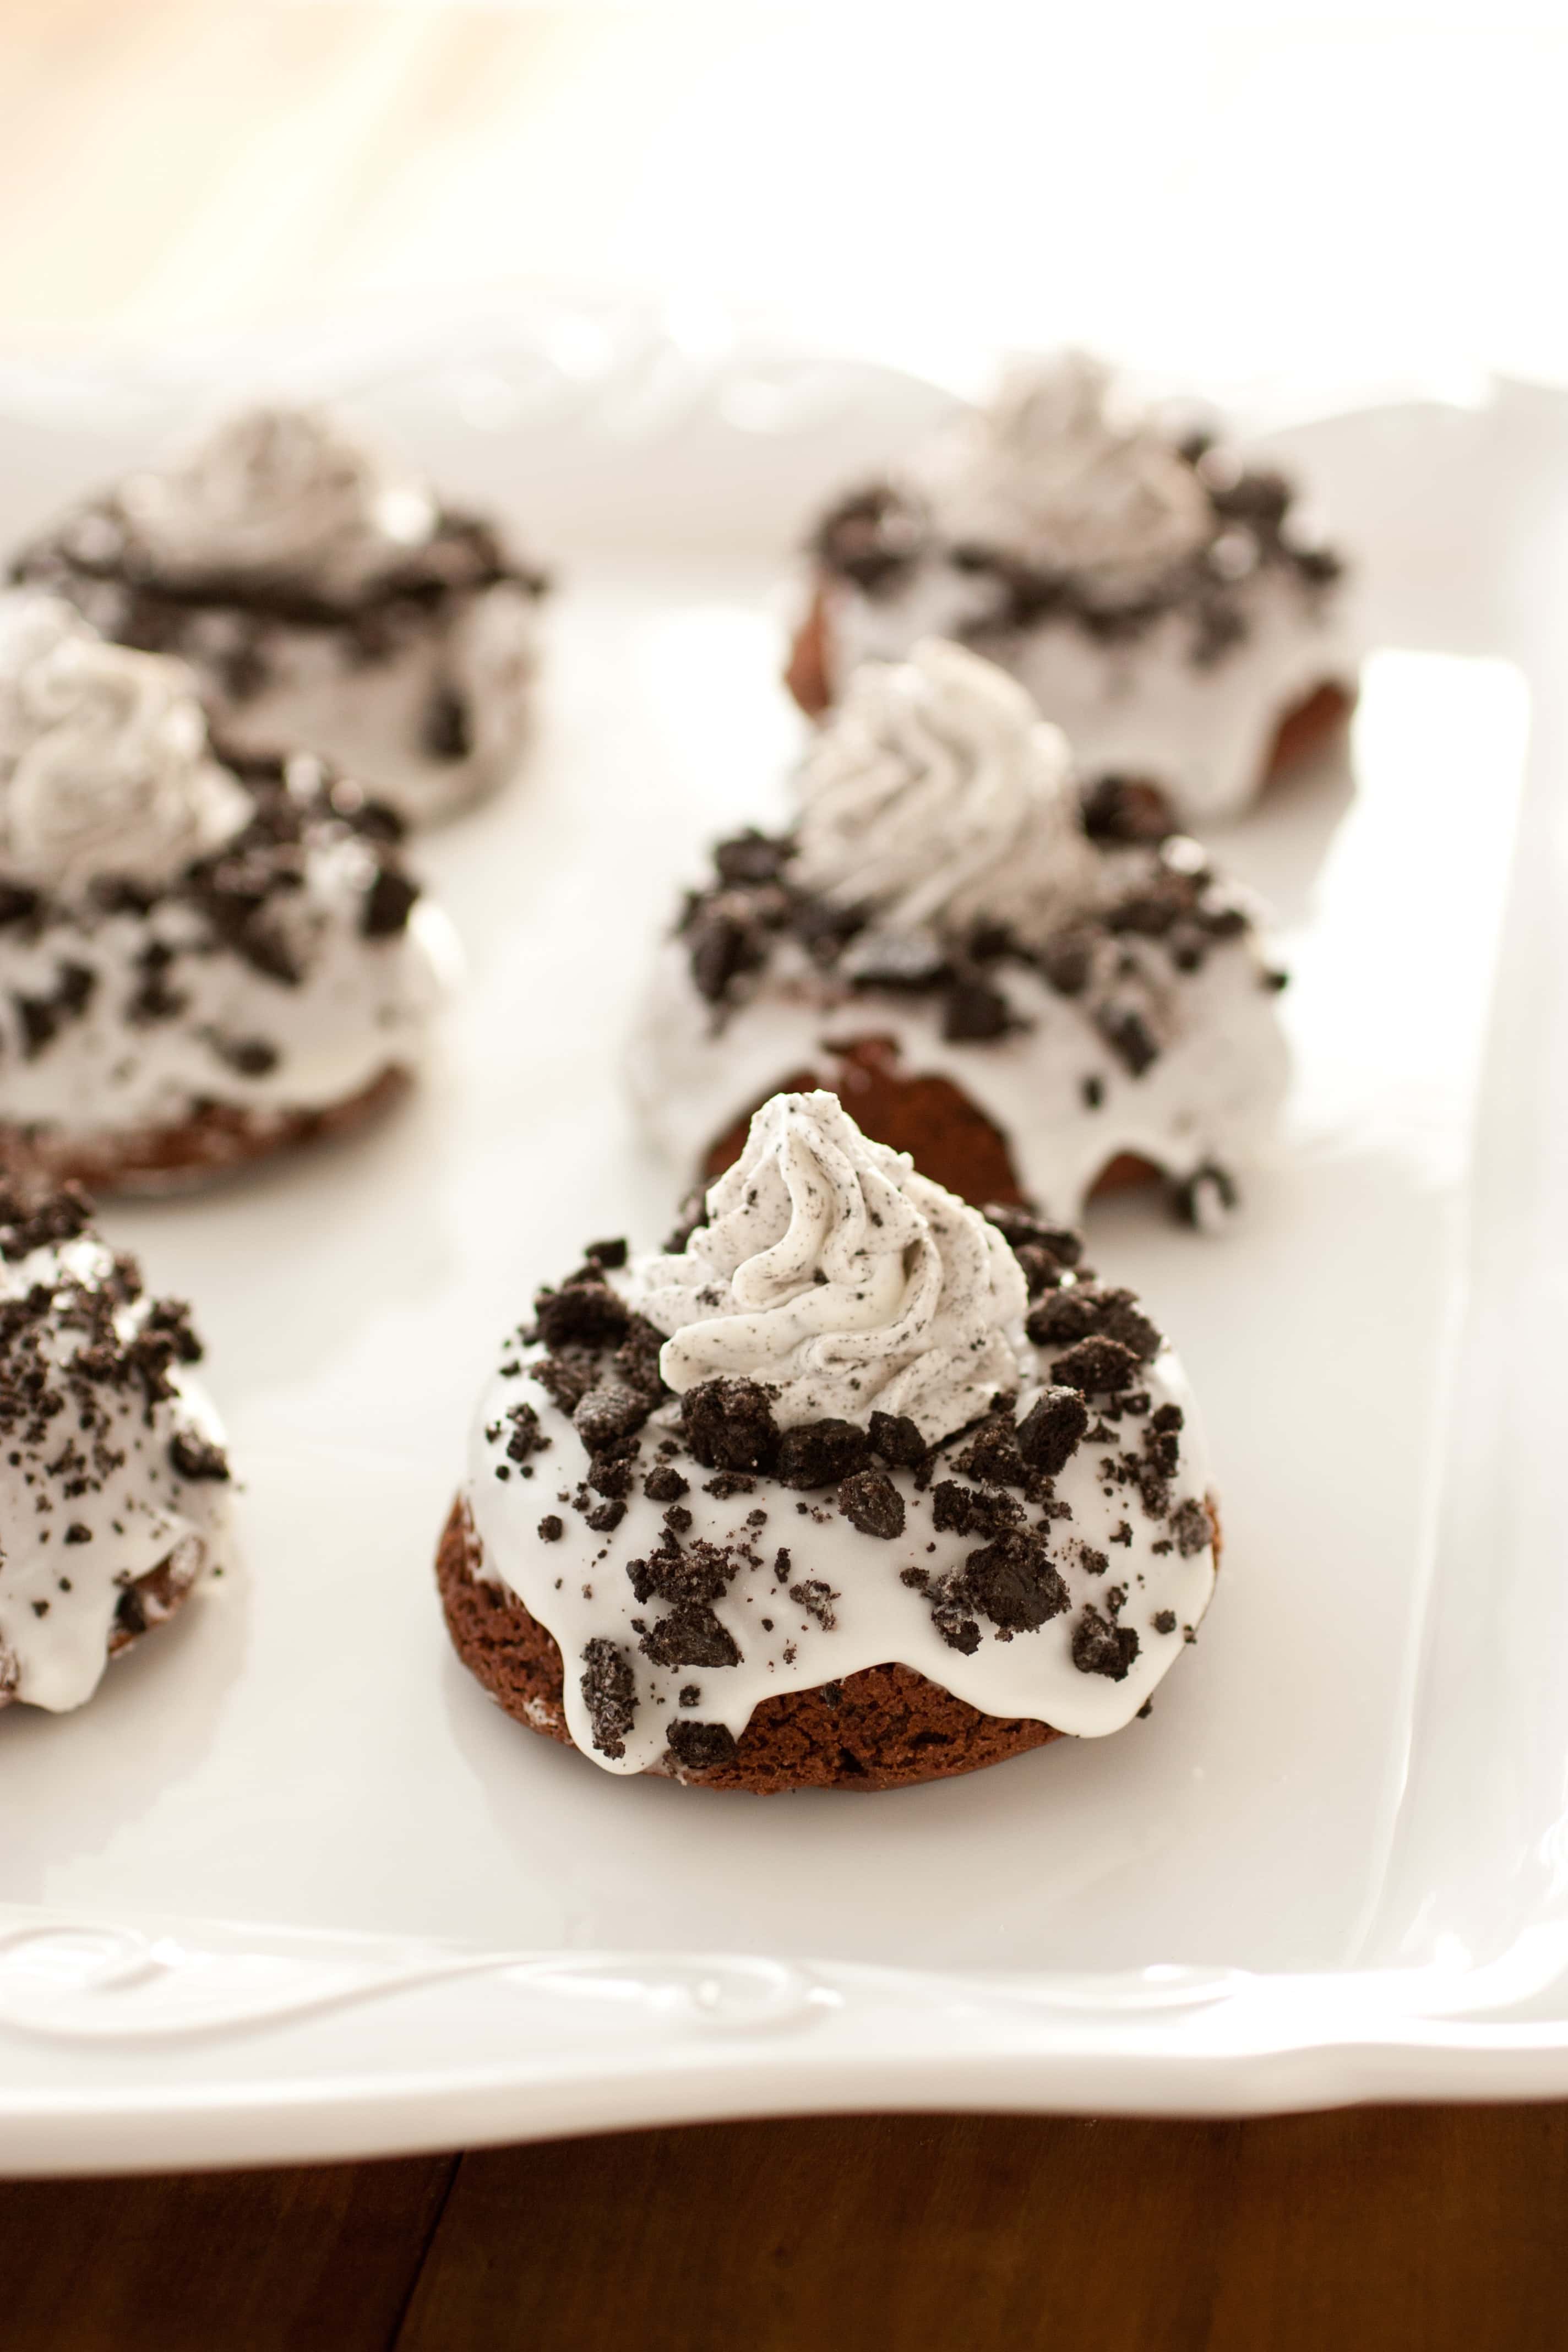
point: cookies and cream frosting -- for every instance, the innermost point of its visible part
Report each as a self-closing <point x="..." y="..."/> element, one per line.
<point x="830" y="1270"/>
<point x="1040" y="1543"/>
<point x="114" y="1480"/>
<point x="280" y="491"/>
<point x="937" y="793"/>
<point x="1054" y="470"/>
<point x="104" y="763"/>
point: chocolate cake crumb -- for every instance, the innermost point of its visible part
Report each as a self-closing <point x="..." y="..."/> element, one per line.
<point x="821" y="1452"/>
<point x="1100" y="1647"/>
<point x="696" y="1746"/>
<point x="1193" y="1527"/>
<point x="193" y="1458"/>
<point x="870" y="1502"/>
<point x="609" y="1694"/>
<point x="729" y="1425"/>
<point x="1049" y="1431"/>
<point x="551" y="1529"/>
<point x="1097" y="1367"/>
<point x="816" y="1599"/>
<point x="665" y="1484"/>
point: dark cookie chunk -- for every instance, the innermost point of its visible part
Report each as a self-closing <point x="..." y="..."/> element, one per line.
<point x="1096" y="1367"/>
<point x="551" y="1529"/>
<point x="696" y="1746"/>
<point x="1100" y="1647"/>
<point x="690" y="1635"/>
<point x="1049" y="1433"/>
<point x="1084" y="1310"/>
<point x="195" y="1457"/>
<point x="1012" y="1582"/>
<point x="729" y="1425"/>
<point x="897" y="1441"/>
<point x="1126" y="809"/>
<point x="609" y="1412"/>
<point x="870" y="1501"/>
<point x="609" y="1694"/>
<point x="821" y="1452"/>
<point x="972" y="1510"/>
<point x="974" y="1012"/>
<point x="1193" y="1527"/>
<point x="753" y="857"/>
<point x="584" y="1313"/>
<point x="664" y="1484"/>
<point x="816" y="1599"/>
<point x="525" y="1435"/>
<point x="388" y="903"/>
<point x="612" y="1253"/>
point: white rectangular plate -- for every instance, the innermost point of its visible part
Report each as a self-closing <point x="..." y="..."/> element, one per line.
<point x="290" y="1887"/>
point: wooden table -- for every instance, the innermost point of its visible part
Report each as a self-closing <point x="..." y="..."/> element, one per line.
<point x="1406" y="2228"/>
<point x="181" y="168"/>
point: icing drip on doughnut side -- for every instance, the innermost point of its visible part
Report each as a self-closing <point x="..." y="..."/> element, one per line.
<point x="112" y="1462"/>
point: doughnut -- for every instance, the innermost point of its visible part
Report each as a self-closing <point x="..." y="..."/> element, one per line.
<point x="324" y="597"/>
<point x="113" y="1477"/>
<point x="851" y="1485"/>
<point x="1028" y="983"/>
<point x="1166" y="603"/>
<point x="207" y="958"/>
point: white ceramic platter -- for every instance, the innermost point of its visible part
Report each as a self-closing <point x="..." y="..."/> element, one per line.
<point x="290" y="1887"/>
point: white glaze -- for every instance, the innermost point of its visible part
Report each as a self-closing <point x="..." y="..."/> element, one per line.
<point x="1056" y="474"/>
<point x="1141" y="707"/>
<point x="578" y="1589"/>
<point x="936" y="794"/>
<point x="1212" y="1097"/>
<point x="847" y="1283"/>
<point x="57" y="1601"/>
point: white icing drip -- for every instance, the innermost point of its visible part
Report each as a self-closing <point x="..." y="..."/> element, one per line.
<point x="371" y="720"/>
<point x="1051" y="472"/>
<point x="280" y="492"/>
<point x="936" y="794"/>
<point x="1141" y="707"/>
<point x="847" y="1283"/>
<point x="59" y="1591"/>
<point x="578" y="1587"/>
<point x="1063" y="1099"/>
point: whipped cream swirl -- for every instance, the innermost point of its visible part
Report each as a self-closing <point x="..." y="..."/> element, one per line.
<point x="938" y="795"/>
<point x="844" y="1282"/>
<point x="280" y="493"/>
<point x="1051" y="472"/>
<point x="104" y="766"/>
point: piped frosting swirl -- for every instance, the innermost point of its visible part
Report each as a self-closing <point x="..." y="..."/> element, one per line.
<point x="280" y="492"/>
<point x="937" y="794"/>
<point x="1052" y="471"/>
<point x="105" y="764"/>
<point x="833" y="1274"/>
